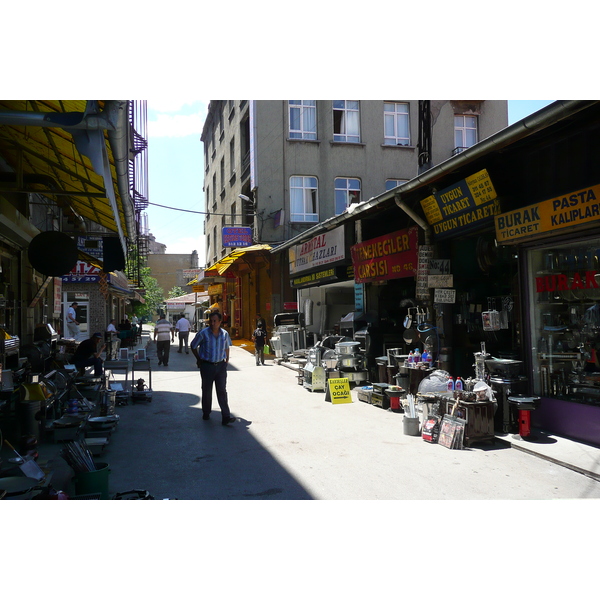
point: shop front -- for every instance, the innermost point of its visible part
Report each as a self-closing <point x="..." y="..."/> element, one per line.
<point x="560" y="247"/>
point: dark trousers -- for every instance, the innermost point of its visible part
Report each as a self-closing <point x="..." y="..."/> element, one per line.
<point x="259" y="352"/>
<point x="162" y="351"/>
<point x="183" y="339"/>
<point x="216" y="374"/>
<point x="92" y="361"/>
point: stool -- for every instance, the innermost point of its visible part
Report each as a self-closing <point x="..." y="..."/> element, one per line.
<point x="524" y="404"/>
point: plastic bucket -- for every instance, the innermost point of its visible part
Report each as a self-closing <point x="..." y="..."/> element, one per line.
<point x="411" y="425"/>
<point x="93" y="482"/>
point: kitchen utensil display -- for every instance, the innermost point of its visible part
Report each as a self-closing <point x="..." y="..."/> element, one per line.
<point x="17" y="486"/>
<point x="347" y="347"/>
<point x="29" y="467"/>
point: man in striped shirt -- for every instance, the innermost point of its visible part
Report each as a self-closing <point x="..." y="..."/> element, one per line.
<point x="211" y="349"/>
<point x="163" y="336"/>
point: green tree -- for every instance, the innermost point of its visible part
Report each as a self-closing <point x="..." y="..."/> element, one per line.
<point x="153" y="294"/>
<point x="176" y="292"/>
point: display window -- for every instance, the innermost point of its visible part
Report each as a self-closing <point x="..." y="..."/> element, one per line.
<point x="564" y="284"/>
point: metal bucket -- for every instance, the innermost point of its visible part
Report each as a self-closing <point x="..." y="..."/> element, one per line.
<point x="411" y="425"/>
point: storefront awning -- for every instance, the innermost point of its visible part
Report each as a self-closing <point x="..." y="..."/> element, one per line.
<point x="222" y="265"/>
<point x="70" y="151"/>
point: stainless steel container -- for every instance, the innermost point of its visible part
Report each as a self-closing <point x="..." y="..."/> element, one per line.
<point x="347" y="347"/>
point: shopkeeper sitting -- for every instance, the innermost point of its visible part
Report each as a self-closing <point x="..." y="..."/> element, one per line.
<point x="88" y="354"/>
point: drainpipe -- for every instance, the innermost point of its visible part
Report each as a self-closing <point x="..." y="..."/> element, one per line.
<point x="116" y="114"/>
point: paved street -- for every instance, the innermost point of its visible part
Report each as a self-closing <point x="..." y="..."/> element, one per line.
<point x="289" y="443"/>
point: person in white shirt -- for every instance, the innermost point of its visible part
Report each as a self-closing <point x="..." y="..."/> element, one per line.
<point x="183" y="331"/>
<point x="72" y="323"/>
<point x="113" y="340"/>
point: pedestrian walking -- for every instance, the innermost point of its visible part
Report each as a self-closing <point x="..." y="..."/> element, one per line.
<point x="112" y="338"/>
<point x="88" y="354"/>
<point x="183" y="331"/>
<point x="210" y="346"/>
<point x="163" y="335"/>
<point x="72" y="322"/>
<point x="259" y="337"/>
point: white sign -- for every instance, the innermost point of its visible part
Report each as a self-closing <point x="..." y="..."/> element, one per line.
<point x="193" y="272"/>
<point x="440" y="281"/>
<point x="175" y="305"/>
<point x="442" y="296"/>
<point x="439" y="266"/>
<point x="323" y="249"/>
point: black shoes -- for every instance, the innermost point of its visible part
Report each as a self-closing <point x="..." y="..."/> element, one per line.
<point x="178" y="351"/>
<point x="228" y="421"/>
<point x="205" y="417"/>
<point x="159" y="363"/>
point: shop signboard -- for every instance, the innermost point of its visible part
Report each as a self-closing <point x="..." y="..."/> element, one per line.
<point x="90" y="244"/>
<point x="390" y="256"/>
<point x="444" y="296"/>
<point x="215" y="289"/>
<point x="338" y="389"/>
<point x="575" y="208"/>
<point x="359" y="297"/>
<point x="440" y="281"/>
<point x="57" y="295"/>
<point x="323" y="249"/>
<point x="82" y="272"/>
<point x="319" y="277"/>
<point x="175" y="305"/>
<point x="461" y="207"/>
<point x="236" y="237"/>
<point x="199" y="273"/>
<point x="197" y="288"/>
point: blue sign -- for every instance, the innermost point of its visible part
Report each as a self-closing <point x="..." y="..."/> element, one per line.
<point x="236" y="237"/>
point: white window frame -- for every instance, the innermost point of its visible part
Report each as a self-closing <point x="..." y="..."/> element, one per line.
<point x="395" y="113"/>
<point x="306" y="189"/>
<point x="390" y="184"/>
<point x="348" y="191"/>
<point x="348" y="112"/>
<point x="461" y="128"/>
<point x="306" y="111"/>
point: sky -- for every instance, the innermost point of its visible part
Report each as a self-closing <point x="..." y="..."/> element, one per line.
<point x="176" y="170"/>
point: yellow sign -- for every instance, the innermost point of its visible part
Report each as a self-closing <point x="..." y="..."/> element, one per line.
<point x="197" y="288"/>
<point x="575" y="208"/>
<point x="339" y="391"/>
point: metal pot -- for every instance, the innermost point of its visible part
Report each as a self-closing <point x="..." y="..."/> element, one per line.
<point x="350" y="361"/>
<point x="18" y="487"/>
<point x="347" y="347"/>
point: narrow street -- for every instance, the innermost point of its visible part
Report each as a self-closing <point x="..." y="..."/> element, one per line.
<point x="290" y="444"/>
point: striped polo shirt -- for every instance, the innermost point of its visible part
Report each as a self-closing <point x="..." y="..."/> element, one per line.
<point x="211" y="348"/>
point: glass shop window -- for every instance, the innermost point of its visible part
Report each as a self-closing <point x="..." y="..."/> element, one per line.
<point x="565" y="321"/>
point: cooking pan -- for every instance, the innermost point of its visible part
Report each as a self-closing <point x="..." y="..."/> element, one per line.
<point x="17" y="486"/>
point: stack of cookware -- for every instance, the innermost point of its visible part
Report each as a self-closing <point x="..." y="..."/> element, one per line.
<point x="351" y="363"/>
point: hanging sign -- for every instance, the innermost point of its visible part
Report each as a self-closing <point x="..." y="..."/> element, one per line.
<point x="461" y="207"/>
<point x="576" y="208"/>
<point x="390" y="256"/>
<point x="236" y="237"/>
<point x="338" y="390"/>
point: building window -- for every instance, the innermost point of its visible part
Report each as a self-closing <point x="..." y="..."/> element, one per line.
<point x="346" y="122"/>
<point x="303" y="119"/>
<point x="347" y="192"/>
<point x="390" y="184"/>
<point x="232" y="156"/>
<point x="222" y="173"/>
<point x="396" y="124"/>
<point x="303" y="199"/>
<point x="465" y="132"/>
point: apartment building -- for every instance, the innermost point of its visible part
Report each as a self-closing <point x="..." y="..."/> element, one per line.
<point x="281" y="166"/>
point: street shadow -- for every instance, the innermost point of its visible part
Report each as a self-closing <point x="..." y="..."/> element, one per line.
<point x="166" y="448"/>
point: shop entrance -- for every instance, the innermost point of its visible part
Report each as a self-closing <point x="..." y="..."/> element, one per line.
<point x="82" y="312"/>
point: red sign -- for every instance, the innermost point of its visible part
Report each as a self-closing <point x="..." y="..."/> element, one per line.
<point x="560" y="282"/>
<point x="390" y="256"/>
<point x="290" y="306"/>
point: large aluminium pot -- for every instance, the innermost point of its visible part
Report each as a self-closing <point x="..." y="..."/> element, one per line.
<point x="350" y="361"/>
<point x="347" y="347"/>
